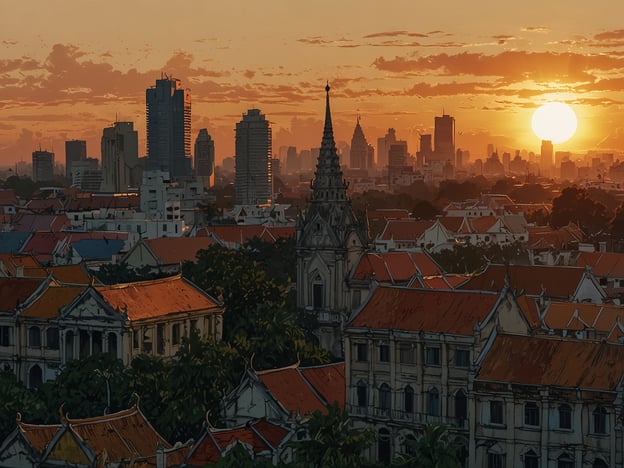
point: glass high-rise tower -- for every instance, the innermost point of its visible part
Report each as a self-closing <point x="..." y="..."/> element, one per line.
<point x="254" y="180"/>
<point x="168" y="114"/>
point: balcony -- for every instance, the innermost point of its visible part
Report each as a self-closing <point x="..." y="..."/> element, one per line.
<point x="405" y="417"/>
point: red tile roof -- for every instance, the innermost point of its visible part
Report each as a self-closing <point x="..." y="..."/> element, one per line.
<point x="14" y="291"/>
<point x="156" y="298"/>
<point x="231" y="234"/>
<point x="541" y="237"/>
<point x="174" y="250"/>
<point x="28" y="222"/>
<point x="437" y="311"/>
<point x="395" y="267"/>
<point x="553" y="362"/>
<point x="405" y="229"/>
<point x="605" y="264"/>
<point x="7" y="197"/>
<point x="213" y="442"/>
<point x="555" y="281"/>
<point x="42" y="244"/>
<point x="38" y="436"/>
<point x="328" y="381"/>
<point x="581" y="316"/>
<point x="291" y="390"/>
<point x="49" y="304"/>
<point x="530" y="310"/>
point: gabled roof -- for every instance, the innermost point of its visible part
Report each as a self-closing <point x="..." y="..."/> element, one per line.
<point x="175" y="250"/>
<point x="37" y="435"/>
<point x="123" y="435"/>
<point x="435" y="311"/>
<point x="49" y="303"/>
<point x="605" y="264"/>
<point x="43" y="244"/>
<point x="304" y="390"/>
<point x="155" y="298"/>
<point x="260" y="436"/>
<point x="16" y="291"/>
<point x="554" y="281"/>
<point x="581" y="316"/>
<point x="44" y="205"/>
<point x="29" y="222"/>
<point x="239" y="234"/>
<point x="404" y="229"/>
<point x="7" y="197"/>
<point x="67" y="274"/>
<point x="11" y="263"/>
<point x="395" y="267"/>
<point x="553" y="362"/>
<point x="530" y="309"/>
<point x="542" y="237"/>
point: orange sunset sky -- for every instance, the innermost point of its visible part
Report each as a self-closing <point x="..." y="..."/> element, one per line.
<point x="68" y="68"/>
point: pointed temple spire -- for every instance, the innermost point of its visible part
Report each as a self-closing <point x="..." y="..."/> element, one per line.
<point x="328" y="184"/>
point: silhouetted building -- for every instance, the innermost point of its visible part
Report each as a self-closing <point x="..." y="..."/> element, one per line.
<point x="120" y="157"/>
<point x="359" y="154"/>
<point x="75" y="150"/>
<point x="444" y="138"/>
<point x="426" y="150"/>
<point x="168" y="113"/>
<point x="383" y="147"/>
<point x="546" y="156"/>
<point x="86" y="175"/>
<point x="293" y="164"/>
<point x="42" y="166"/>
<point x="253" y="183"/>
<point x="205" y="157"/>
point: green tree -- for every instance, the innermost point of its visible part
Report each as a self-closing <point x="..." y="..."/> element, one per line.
<point x="333" y="441"/>
<point x="16" y="398"/>
<point x="87" y="387"/>
<point x="424" y="209"/>
<point x="277" y="258"/>
<point x="116" y="273"/>
<point x="575" y="206"/>
<point x="148" y="377"/>
<point x="436" y="448"/>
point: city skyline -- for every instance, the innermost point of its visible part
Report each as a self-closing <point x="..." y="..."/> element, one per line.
<point x="400" y="65"/>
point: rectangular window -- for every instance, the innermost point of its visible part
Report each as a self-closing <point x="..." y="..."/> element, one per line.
<point x="318" y="296"/>
<point x="531" y="414"/>
<point x="406" y="354"/>
<point x="600" y="420"/>
<point x="160" y="338"/>
<point x="384" y="353"/>
<point x="361" y="352"/>
<point x="565" y="417"/>
<point x="135" y="339"/>
<point x="52" y="338"/>
<point x="432" y="356"/>
<point x="6" y="334"/>
<point x="496" y="412"/>
<point x="164" y="228"/>
<point x="175" y="334"/>
<point x="496" y="460"/>
<point x="34" y="337"/>
<point x="462" y="358"/>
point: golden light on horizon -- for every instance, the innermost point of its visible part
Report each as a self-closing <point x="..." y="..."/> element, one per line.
<point x="554" y="121"/>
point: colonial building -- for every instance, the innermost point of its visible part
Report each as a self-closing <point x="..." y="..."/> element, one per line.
<point x="550" y="402"/>
<point x="408" y="354"/>
<point x="51" y="323"/>
<point x="329" y="241"/>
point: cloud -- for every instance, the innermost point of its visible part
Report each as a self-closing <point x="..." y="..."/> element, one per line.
<point x="249" y="74"/>
<point x="394" y="34"/>
<point x="610" y="35"/>
<point x="536" y="29"/>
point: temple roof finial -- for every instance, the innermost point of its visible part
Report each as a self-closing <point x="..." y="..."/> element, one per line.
<point x="327" y="88"/>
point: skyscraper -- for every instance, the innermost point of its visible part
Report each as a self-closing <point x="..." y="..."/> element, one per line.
<point x="42" y="166"/>
<point x="205" y="157"/>
<point x="75" y="150"/>
<point x="383" y="147"/>
<point x="359" y="148"/>
<point x="120" y="157"/>
<point x="444" y="138"/>
<point x="168" y="113"/>
<point x="254" y="181"/>
<point x="546" y="157"/>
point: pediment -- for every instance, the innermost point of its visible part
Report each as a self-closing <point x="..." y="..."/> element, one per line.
<point x="90" y="306"/>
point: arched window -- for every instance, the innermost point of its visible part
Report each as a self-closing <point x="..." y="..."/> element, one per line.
<point x="385" y="398"/>
<point x="362" y="394"/>
<point x="318" y="293"/>
<point x="408" y="400"/>
<point x="531" y="460"/>
<point x="600" y="420"/>
<point x="433" y="402"/>
<point x="34" y="337"/>
<point x="410" y="445"/>
<point x="461" y="404"/>
<point x="35" y="376"/>
<point x="383" y="445"/>
<point x="565" y="461"/>
<point x="565" y="416"/>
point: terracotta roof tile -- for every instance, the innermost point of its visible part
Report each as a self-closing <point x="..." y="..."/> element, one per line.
<point x="243" y="233"/>
<point x="28" y="222"/>
<point x="405" y="229"/>
<point x="14" y="291"/>
<point x="328" y="381"/>
<point x="396" y="308"/>
<point x="174" y="250"/>
<point x="556" y="281"/>
<point x="38" y="436"/>
<point x="395" y="267"/>
<point x="605" y="264"/>
<point x="530" y="310"/>
<point x="290" y="389"/>
<point x="553" y="362"/>
<point x="7" y="197"/>
<point x="155" y="298"/>
<point x="580" y="316"/>
<point x="51" y="301"/>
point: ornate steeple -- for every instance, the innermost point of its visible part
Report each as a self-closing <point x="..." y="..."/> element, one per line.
<point x="328" y="184"/>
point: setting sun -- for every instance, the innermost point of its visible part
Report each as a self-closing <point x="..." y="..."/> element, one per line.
<point x="554" y="121"/>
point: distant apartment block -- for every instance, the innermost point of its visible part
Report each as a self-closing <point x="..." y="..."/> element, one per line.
<point x="42" y="166"/>
<point x="120" y="157"/>
<point x="75" y="150"/>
